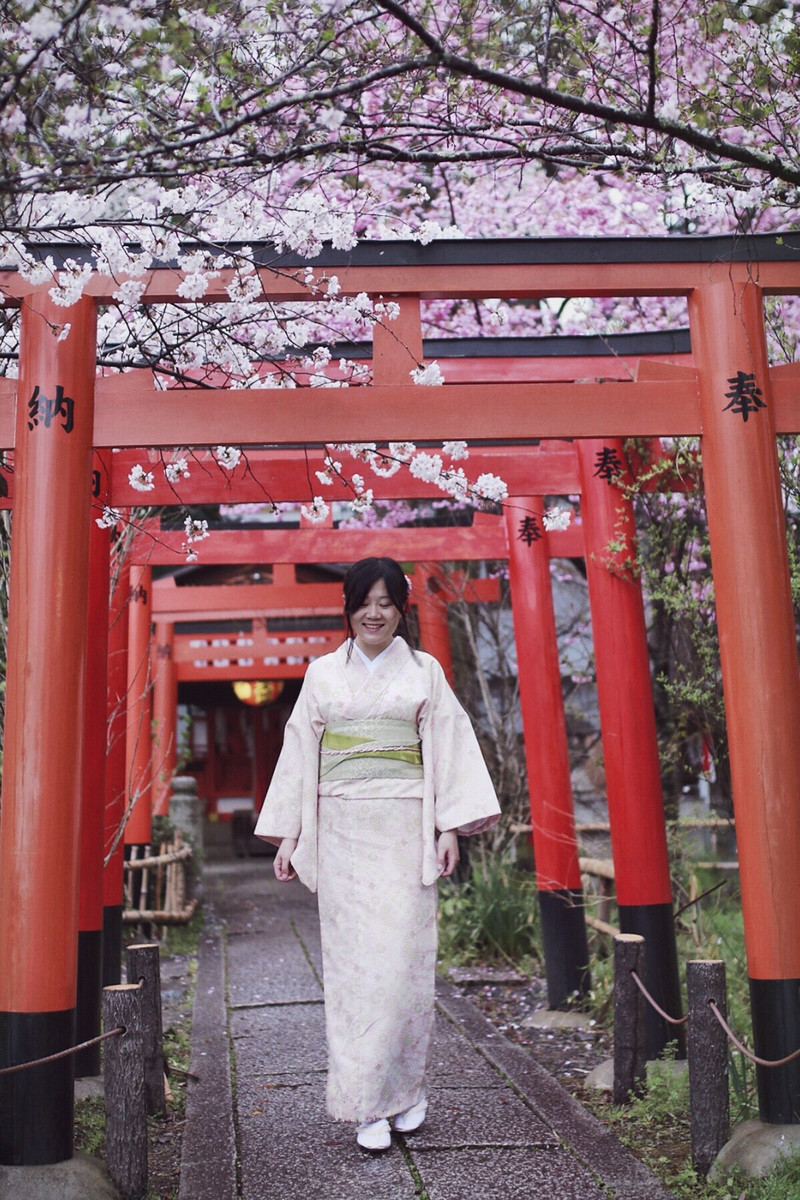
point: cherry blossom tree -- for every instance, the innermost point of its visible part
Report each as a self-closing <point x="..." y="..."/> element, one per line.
<point x="156" y="131"/>
<point x="153" y="90"/>
<point x="152" y="131"/>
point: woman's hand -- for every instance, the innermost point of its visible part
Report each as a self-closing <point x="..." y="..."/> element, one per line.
<point x="284" y="871"/>
<point x="447" y="852"/>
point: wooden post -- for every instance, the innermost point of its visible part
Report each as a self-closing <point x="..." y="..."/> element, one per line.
<point x="708" y="1062"/>
<point x="143" y="967"/>
<point x="126" y="1110"/>
<point x="630" y="1018"/>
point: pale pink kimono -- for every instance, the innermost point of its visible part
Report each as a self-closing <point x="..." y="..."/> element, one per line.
<point x="368" y="846"/>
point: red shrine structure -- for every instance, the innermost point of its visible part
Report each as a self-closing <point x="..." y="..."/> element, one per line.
<point x="545" y="425"/>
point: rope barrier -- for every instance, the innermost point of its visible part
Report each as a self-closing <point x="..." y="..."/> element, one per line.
<point x="653" y="1004"/>
<point x="38" y="1062"/>
<point x="759" y="1062"/>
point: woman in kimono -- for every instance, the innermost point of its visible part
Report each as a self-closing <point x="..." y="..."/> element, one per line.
<point x="379" y="773"/>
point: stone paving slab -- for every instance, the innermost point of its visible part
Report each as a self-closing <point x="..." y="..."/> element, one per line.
<point x="451" y="1066"/>
<point x="280" y="1038"/>
<point x="505" y="1174"/>
<point x="492" y="1117"/>
<point x="291" y="1149"/>
<point x="269" y="967"/>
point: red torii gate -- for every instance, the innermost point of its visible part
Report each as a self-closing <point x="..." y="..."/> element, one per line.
<point x="725" y="282"/>
<point x="634" y="788"/>
<point x="643" y="879"/>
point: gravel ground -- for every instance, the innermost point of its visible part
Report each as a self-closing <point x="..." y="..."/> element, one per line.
<point x="512" y="1003"/>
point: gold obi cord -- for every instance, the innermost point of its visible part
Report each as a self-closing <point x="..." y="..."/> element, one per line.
<point x="370" y="749"/>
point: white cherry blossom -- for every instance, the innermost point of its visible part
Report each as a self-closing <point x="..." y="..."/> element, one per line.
<point x="429" y="375"/>
<point x="228" y="456"/>
<point x="317" y="511"/>
<point x="177" y="470"/>
<point x="557" y="518"/>
<point x="140" y="479"/>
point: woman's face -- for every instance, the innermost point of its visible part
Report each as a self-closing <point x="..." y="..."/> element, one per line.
<point x="375" y="622"/>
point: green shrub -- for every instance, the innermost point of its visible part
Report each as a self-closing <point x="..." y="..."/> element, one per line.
<point x="491" y="917"/>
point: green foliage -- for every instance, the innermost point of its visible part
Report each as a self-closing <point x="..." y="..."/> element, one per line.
<point x="90" y="1126"/>
<point x="492" y="916"/>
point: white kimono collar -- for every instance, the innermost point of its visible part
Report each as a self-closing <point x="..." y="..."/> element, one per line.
<point x="372" y="663"/>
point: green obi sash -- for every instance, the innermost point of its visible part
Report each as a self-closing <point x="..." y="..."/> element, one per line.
<point x="370" y="749"/>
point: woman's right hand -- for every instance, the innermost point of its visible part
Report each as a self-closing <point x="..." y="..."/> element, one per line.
<point x="284" y="871"/>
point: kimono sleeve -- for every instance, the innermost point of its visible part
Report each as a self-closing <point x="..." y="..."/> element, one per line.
<point x="294" y="780"/>
<point x="463" y="792"/>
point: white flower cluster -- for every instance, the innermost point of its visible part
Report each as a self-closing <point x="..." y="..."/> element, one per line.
<point x="197" y="274"/>
<point x="70" y="283"/>
<point x="430" y="231"/>
<point x="388" y="463"/>
<point x="557" y="518"/>
<point x="141" y="480"/>
<point x="361" y="307"/>
<point x="196" y="531"/>
<point x="428" y="376"/>
<point x="317" y="511"/>
<point x="311" y="222"/>
<point x="245" y="287"/>
<point x="177" y="470"/>
<point x="429" y="467"/>
<point x="129" y="293"/>
<point x="385" y="465"/>
<point x="363" y="451"/>
<point x="363" y="495"/>
<point x="110" y="519"/>
<point x="498" y="312"/>
<point x="455" y="483"/>
<point x="332" y="467"/>
<point x="228" y="457"/>
<point x="490" y="487"/>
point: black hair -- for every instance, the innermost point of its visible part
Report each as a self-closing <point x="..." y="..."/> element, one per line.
<point x="359" y="581"/>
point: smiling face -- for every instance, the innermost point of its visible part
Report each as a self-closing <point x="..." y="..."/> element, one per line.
<point x="375" y="621"/>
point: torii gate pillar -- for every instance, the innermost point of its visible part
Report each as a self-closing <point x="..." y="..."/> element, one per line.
<point x="555" y="846"/>
<point x="628" y="727"/>
<point x="430" y="597"/>
<point x="165" y="716"/>
<point x="47" y="641"/>
<point x="116" y="790"/>
<point x="758" y="652"/>
<point x="90" y="913"/>
<point x="138" y="737"/>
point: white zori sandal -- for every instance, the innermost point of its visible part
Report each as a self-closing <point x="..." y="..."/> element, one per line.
<point x="374" y="1135"/>
<point x="412" y="1118"/>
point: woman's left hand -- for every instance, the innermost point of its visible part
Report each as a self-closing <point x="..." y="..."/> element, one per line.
<point x="447" y="852"/>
